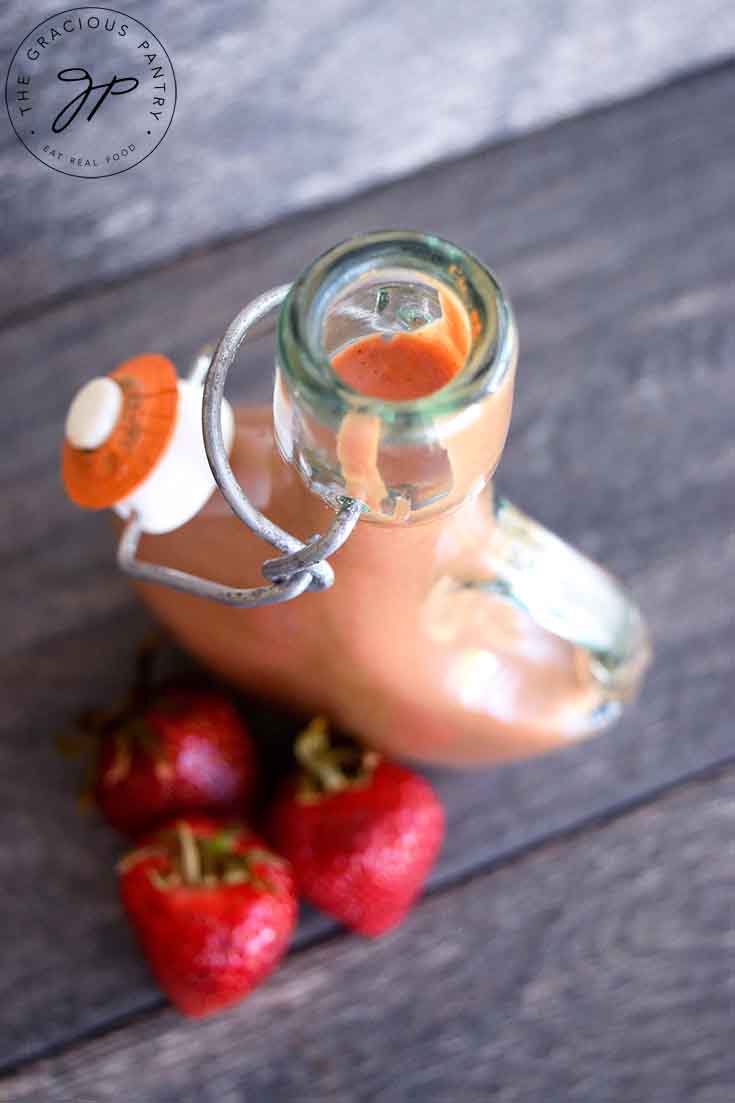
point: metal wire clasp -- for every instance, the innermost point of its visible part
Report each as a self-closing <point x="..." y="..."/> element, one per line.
<point x="302" y="566"/>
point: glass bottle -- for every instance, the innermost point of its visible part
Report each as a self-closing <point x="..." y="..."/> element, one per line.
<point x="457" y="629"/>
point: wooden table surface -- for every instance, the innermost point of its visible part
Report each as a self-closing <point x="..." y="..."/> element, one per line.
<point x="284" y="105"/>
<point x="577" y="940"/>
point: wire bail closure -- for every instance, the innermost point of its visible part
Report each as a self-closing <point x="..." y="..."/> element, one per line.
<point x="302" y="566"/>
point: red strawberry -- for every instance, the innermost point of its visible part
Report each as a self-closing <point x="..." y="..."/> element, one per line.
<point x="361" y="833"/>
<point x="182" y="751"/>
<point x="212" y="908"/>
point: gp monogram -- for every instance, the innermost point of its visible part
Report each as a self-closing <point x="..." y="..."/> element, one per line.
<point x="90" y="92"/>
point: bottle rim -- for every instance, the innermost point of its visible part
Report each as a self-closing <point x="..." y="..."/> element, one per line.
<point x="307" y="368"/>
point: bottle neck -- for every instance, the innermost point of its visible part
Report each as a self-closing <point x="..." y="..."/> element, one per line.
<point x="395" y="377"/>
<point x="406" y="554"/>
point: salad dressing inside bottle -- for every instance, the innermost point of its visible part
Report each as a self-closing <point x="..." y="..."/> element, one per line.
<point x="430" y="617"/>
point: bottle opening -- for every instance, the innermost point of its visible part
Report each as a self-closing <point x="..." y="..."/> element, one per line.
<point x="396" y="356"/>
<point x="389" y="286"/>
<point x="396" y="337"/>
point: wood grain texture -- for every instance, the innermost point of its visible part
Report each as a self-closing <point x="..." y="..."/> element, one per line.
<point x="615" y="235"/>
<point x="284" y="105"/>
<point x="597" y="969"/>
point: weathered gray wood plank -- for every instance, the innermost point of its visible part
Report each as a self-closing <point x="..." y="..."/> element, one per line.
<point x="599" y="968"/>
<point x="286" y="105"/>
<point x="616" y="237"/>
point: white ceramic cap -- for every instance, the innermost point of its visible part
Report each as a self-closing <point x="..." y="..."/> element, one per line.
<point x="182" y="481"/>
<point x="93" y="413"/>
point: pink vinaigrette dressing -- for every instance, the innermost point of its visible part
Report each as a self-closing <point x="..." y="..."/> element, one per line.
<point x="409" y="365"/>
<point x="457" y="630"/>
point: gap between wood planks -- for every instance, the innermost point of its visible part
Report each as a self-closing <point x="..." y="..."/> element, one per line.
<point x="217" y="244"/>
<point x="594" y="821"/>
